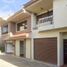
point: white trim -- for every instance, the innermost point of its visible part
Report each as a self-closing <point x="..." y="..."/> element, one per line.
<point x="32" y="49"/>
<point x="60" y="60"/>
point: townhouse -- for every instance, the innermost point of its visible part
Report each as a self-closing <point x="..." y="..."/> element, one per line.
<point x="16" y="34"/>
<point x="39" y="33"/>
<point x="49" y="30"/>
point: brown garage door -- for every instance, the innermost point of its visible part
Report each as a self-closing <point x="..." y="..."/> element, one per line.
<point x="45" y="49"/>
<point x="65" y="51"/>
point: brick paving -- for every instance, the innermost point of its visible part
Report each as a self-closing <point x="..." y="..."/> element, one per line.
<point x="13" y="61"/>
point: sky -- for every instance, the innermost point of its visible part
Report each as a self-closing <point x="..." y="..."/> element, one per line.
<point x="9" y="7"/>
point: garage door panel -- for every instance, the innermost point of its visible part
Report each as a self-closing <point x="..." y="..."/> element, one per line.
<point x="45" y="49"/>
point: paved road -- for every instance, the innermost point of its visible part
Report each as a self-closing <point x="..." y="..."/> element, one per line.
<point x="12" y="61"/>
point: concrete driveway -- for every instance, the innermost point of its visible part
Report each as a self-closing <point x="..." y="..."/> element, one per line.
<point x="12" y="61"/>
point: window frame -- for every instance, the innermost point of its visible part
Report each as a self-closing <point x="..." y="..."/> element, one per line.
<point x="20" y="26"/>
<point x="5" y="27"/>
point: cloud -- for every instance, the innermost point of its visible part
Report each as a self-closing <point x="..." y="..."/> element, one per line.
<point x="9" y="1"/>
<point x="6" y="14"/>
<point x="10" y="7"/>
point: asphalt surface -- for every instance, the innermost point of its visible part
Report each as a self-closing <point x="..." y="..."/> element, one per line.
<point x="13" y="61"/>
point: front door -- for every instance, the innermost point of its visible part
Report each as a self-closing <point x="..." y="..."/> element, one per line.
<point x="65" y="51"/>
<point x="22" y="48"/>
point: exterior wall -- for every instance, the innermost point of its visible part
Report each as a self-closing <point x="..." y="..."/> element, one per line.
<point x="60" y="10"/>
<point x="65" y="35"/>
<point x="12" y="27"/>
<point x="6" y="36"/>
<point x="59" y="16"/>
<point x="28" y="24"/>
<point x="33" y="25"/>
<point x="61" y="37"/>
<point x="60" y="20"/>
<point x="52" y="33"/>
<point x="46" y="34"/>
<point x="28" y="48"/>
<point x="17" y="48"/>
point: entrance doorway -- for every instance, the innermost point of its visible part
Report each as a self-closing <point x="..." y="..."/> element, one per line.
<point x="10" y="48"/>
<point x="22" y="49"/>
<point x="65" y="51"/>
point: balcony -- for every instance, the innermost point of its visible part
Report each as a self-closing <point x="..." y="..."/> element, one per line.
<point x="22" y="26"/>
<point x="5" y="37"/>
<point x="45" y="23"/>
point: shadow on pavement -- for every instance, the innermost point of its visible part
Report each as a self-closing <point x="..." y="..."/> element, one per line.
<point x="21" y="62"/>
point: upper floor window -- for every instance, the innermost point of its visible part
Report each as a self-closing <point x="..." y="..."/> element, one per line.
<point x="49" y="13"/>
<point x="5" y="29"/>
<point x="22" y="26"/>
<point x="45" y="18"/>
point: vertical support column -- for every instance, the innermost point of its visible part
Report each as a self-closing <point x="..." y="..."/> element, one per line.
<point x="17" y="48"/>
<point x="5" y="47"/>
<point x="9" y="28"/>
<point x="32" y="49"/>
<point x="33" y="25"/>
<point x="33" y="21"/>
<point x="0" y="33"/>
<point x="28" y="51"/>
<point x="59" y="50"/>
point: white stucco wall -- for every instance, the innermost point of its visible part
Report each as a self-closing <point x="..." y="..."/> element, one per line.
<point x="28" y="48"/>
<point x="60" y="13"/>
<point x="45" y="34"/>
<point x="59" y="16"/>
<point x="60" y="20"/>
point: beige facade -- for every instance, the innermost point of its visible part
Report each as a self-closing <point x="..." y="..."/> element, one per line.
<point x="46" y="19"/>
<point x="46" y="30"/>
<point x="17" y="38"/>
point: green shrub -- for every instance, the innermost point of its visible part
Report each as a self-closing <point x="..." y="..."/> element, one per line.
<point x="2" y="49"/>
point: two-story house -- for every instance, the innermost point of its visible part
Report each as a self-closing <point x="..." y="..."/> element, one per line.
<point x="16" y="34"/>
<point x="40" y="33"/>
<point x="49" y="30"/>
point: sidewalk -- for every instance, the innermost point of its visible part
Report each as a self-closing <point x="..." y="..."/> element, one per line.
<point x="12" y="61"/>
